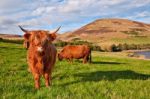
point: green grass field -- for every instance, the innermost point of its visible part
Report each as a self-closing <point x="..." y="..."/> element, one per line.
<point x="108" y="77"/>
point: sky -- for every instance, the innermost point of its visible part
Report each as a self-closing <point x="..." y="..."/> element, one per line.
<point x="70" y="14"/>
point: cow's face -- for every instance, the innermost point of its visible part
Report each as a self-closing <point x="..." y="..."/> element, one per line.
<point x="39" y="39"/>
<point x="60" y="57"/>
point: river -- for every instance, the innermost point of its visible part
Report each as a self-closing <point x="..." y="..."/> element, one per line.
<point x="145" y="53"/>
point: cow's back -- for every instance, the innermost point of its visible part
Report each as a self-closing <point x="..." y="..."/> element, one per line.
<point x="76" y="51"/>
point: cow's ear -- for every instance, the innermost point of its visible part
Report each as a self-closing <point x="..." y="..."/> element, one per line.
<point x="27" y="36"/>
<point x="26" y="44"/>
<point x="53" y="36"/>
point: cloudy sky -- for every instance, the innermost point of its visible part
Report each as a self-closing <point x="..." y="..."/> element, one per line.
<point x="70" y="14"/>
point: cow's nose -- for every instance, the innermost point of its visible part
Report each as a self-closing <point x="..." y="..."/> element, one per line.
<point x="39" y="49"/>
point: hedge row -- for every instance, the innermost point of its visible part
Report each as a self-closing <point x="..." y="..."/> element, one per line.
<point x="93" y="47"/>
<point x="11" y="41"/>
<point x="121" y="47"/>
<point x="110" y="48"/>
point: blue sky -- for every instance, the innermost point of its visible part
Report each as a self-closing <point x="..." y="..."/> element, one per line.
<point x="70" y="14"/>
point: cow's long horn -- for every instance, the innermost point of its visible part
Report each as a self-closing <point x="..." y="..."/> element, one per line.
<point x="23" y="29"/>
<point x="56" y="30"/>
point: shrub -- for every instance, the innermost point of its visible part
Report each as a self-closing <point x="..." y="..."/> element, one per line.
<point x="95" y="48"/>
<point x="110" y="48"/>
<point x="125" y="46"/>
<point x="115" y="48"/>
<point x="12" y="41"/>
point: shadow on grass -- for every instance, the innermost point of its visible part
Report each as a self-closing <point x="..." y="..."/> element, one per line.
<point x="108" y="75"/>
<point x="100" y="62"/>
<point x="111" y="75"/>
<point x="97" y="62"/>
<point x="11" y="48"/>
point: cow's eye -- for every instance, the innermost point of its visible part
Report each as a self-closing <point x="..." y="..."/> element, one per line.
<point x="45" y="42"/>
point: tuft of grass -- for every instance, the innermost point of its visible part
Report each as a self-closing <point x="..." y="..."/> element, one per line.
<point x="108" y="77"/>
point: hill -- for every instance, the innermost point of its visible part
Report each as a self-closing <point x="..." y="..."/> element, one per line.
<point x="108" y="31"/>
<point x="10" y="36"/>
<point x="105" y="32"/>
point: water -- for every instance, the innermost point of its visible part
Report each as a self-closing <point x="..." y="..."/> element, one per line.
<point x="145" y="53"/>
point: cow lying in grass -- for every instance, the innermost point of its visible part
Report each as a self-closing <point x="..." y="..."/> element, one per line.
<point x="71" y="52"/>
<point x="41" y="54"/>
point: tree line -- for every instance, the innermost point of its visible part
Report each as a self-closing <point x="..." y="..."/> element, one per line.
<point x="110" y="48"/>
<point x="94" y="47"/>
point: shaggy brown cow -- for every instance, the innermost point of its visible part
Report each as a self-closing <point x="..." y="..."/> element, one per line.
<point x="76" y="51"/>
<point x="41" y="54"/>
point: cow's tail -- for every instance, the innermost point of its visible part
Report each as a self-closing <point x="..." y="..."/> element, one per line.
<point x="90" y="57"/>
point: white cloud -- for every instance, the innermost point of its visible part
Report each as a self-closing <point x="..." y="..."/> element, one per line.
<point x="139" y="3"/>
<point x="64" y="12"/>
<point x="143" y="14"/>
<point x="138" y="15"/>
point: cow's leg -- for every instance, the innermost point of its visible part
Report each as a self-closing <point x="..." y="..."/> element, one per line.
<point x="68" y="60"/>
<point x="85" y="59"/>
<point x="37" y="80"/>
<point x="88" y="59"/>
<point x="47" y="79"/>
<point x="71" y="60"/>
<point x="29" y="70"/>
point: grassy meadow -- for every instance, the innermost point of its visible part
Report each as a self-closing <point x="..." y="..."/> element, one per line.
<point x="110" y="76"/>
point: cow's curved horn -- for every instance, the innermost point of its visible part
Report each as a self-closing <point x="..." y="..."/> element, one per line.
<point x="23" y="29"/>
<point x="55" y="30"/>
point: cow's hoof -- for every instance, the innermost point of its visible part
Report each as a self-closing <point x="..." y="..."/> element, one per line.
<point x="29" y="70"/>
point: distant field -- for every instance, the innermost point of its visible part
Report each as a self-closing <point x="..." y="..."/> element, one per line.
<point x="133" y="40"/>
<point x="110" y="76"/>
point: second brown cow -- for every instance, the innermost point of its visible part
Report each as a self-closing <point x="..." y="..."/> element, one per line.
<point x="71" y="52"/>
